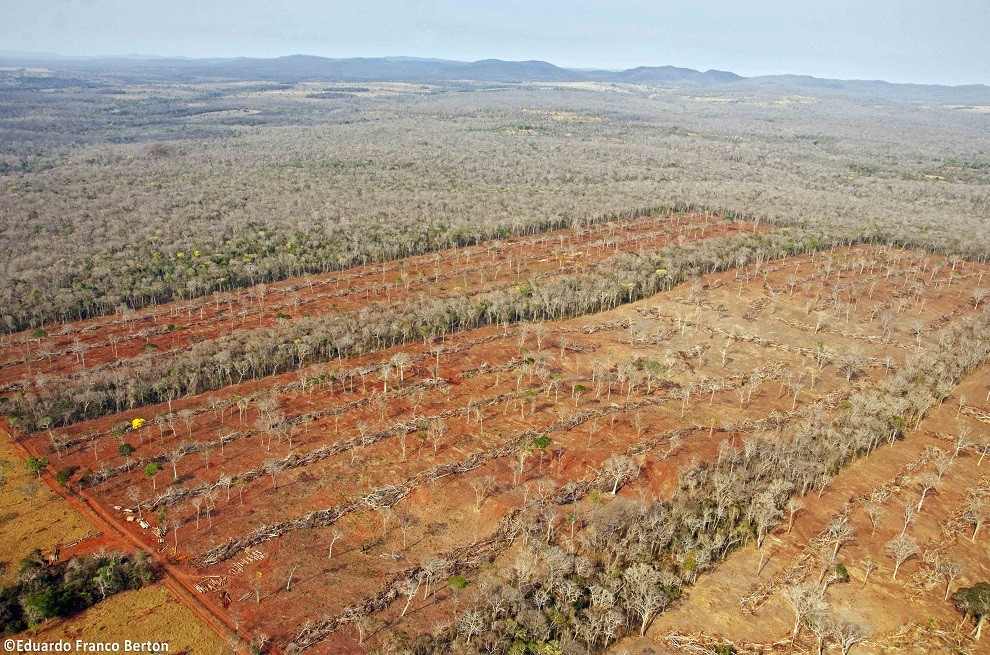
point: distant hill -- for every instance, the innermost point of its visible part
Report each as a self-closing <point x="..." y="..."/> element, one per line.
<point x="300" y="68"/>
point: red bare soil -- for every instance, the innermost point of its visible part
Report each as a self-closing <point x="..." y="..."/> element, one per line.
<point x="497" y="390"/>
<point x="906" y="614"/>
<point x="104" y="341"/>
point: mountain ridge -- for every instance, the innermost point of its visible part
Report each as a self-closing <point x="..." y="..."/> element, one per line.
<point x="311" y="68"/>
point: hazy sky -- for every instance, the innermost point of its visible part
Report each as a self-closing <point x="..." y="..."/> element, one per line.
<point x="908" y="41"/>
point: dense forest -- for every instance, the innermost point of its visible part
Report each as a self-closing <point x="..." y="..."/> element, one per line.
<point x="43" y="590"/>
<point x="119" y="196"/>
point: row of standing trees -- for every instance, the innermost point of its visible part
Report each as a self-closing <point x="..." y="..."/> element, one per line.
<point x="152" y="379"/>
<point x="630" y="559"/>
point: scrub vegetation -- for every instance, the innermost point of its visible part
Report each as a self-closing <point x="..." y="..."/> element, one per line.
<point x="506" y="368"/>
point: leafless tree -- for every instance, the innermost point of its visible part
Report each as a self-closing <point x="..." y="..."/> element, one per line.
<point x="482" y="486"/>
<point x="386" y="514"/>
<point x="839" y="531"/>
<point x="187" y="416"/>
<point x="847" y="634"/>
<point x="541" y="331"/>
<point x="979" y="294"/>
<point x="225" y="482"/>
<point x="940" y="459"/>
<point x="900" y="549"/>
<point x="292" y="571"/>
<point x="643" y="594"/>
<point x="927" y="482"/>
<point x="851" y="364"/>
<point x="764" y="514"/>
<point x="406" y="521"/>
<point x="433" y="568"/>
<point x="471" y="623"/>
<point x="336" y="533"/>
<point x="409" y="587"/>
<point x="174" y="457"/>
<point x="869" y="566"/>
<point x="984" y="450"/>
<point x="619" y="469"/>
<point x="805" y="600"/>
<point x="196" y="503"/>
<point x="962" y="440"/>
<point x="910" y="515"/>
<point x="438" y="428"/>
<point x="401" y="361"/>
<point x="875" y="512"/>
<point x="976" y="510"/>
<point x="949" y="570"/>
<point x="133" y="492"/>
<point x="272" y="468"/>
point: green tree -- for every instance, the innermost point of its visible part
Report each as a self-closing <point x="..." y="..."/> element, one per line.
<point x="150" y="471"/>
<point x="974" y="601"/>
<point x="63" y="476"/>
<point x="37" y="464"/>
<point x="541" y="444"/>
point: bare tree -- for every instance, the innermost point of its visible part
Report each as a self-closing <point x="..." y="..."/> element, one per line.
<point x="409" y="587"/>
<point x="643" y="593"/>
<point x="196" y="503"/>
<point x="851" y="364"/>
<point x="976" y="510"/>
<point x="984" y="450"/>
<point x="386" y="514"/>
<point x="433" y="568"/>
<point x="482" y="487"/>
<point x="187" y="416"/>
<point x="900" y="549"/>
<point x="174" y="457"/>
<point x="272" y="468"/>
<point x="805" y="600"/>
<point x="225" y="482"/>
<point x="940" y="459"/>
<point x="839" y="531"/>
<point x="134" y="493"/>
<point x="847" y="634"/>
<point x="979" y="294"/>
<point x="619" y="469"/>
<point x="406" y="522"/>
<point x="962" y="440"/>
<point x="765" y="514"/>
<point x="292" y="571"/>
<point x="385" y="373"/>
<point x="949" y="570"/>
<point x="869" y="566"/>
<point x="471" y="623"/>
<point x="875" y="512"/>
<point x="438" y="428"/>
<point x="336" y="532"/>
<point x="910" y="515"/>
<point x="401" y="361"/>
<point x="541" y="331"/>
<point x="926" y="482"/>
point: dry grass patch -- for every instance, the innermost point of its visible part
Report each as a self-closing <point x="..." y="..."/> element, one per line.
<point x="149" y="614"/>
<point x="32" y="515"/>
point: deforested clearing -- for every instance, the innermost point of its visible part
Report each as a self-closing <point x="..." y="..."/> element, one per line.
<point x="505" y="368"/>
